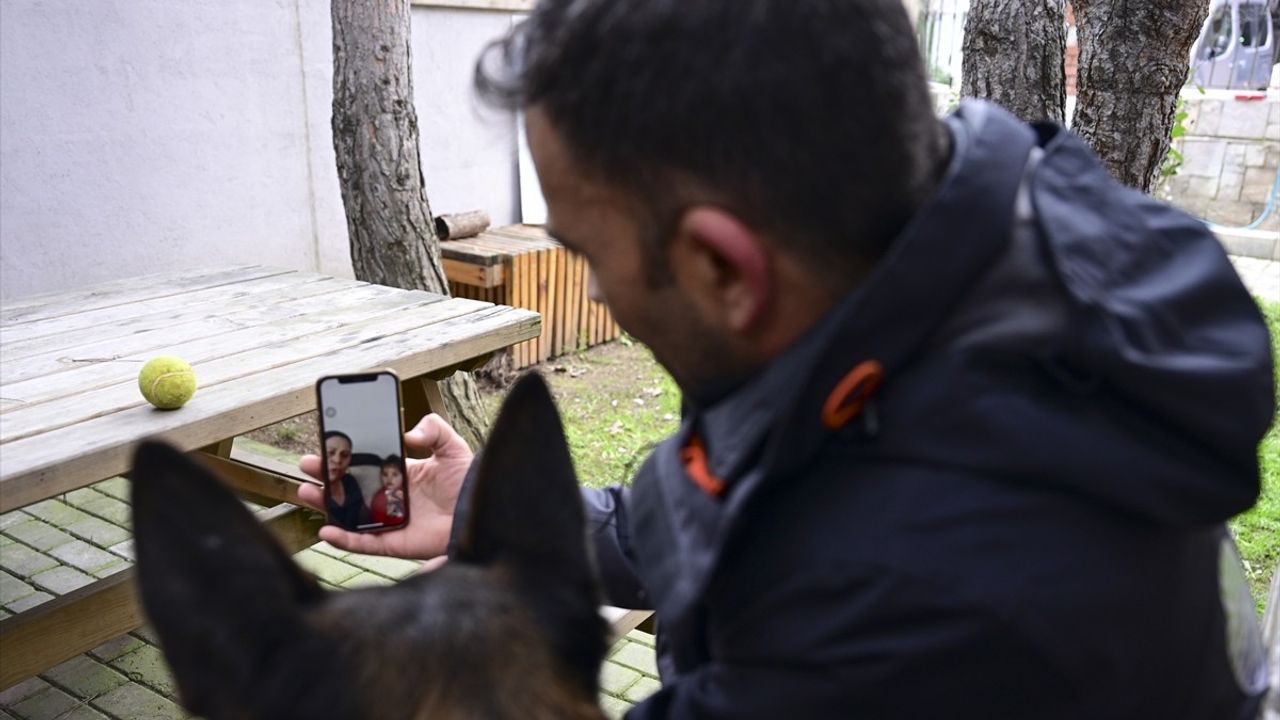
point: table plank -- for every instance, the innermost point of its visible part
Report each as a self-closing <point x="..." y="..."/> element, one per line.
<point x="61" y="460"/>
<point x="112" y="314"/>
<point x="126" y="291"/>
<point x="254" y="352"/>
<point x="327" y="313"/>
<point x="266" y="290"/>
<point x="239" y="319"/>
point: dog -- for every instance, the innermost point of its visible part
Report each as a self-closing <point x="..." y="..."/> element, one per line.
<point x="509" y="628"/>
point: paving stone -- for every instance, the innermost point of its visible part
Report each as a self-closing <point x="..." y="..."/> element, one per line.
<point x="61" y="580"/>
<point x="394" y="568"/>
<point x="76" y="498"/>
<point x="28" y="602"/>
<point x="116" y="487"/>
<point x="614" y="678"/>
<point x="23" y="561"/>
<point x="22" y="691"/>
<point x="38" y="534"/>
<point x="5" y="613"/>
<point x="15" y="517"/>
<point x="325" y="548"/>
<point x="642" y="637"/>
<point x="112" y="569"/>
<point x="47" y="704"/>
<point x="326" y="568"/>
<point x="6" y="716"/>
<point x="645" y="687"/>
<point x="5" y="540"/>
<point x="55" y="512"/>
<point x="124" y="550"/>
<point x="638" y="657"/>
<point x="136" y="702"/>
<point x="110" y="509"/>
<point x="84" y="677"/>
<point x="147" y="666"/>
<point x="99" y="532"/>
<point x="112" y="649"/>
<point x="80" y="554"/>
<point x="12" y="588"/>
<point x="84" y="711"/>
<point x="366" y="579"/>
<point x="614" y="707"/>
<point x="147" y="634"/>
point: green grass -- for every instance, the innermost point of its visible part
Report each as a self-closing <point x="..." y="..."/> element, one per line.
<point x="616" y="403"/>
<point x="1258" y="530"/>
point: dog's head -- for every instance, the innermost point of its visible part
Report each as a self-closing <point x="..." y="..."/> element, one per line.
<point x="509" y="629"/>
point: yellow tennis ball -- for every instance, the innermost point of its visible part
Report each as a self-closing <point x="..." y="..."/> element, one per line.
<point x="167" y="382"/>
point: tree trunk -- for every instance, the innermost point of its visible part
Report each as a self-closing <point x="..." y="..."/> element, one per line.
<point x="1134" y="59"/>
<point x="375" y="138"/>
<point x="1013" y="55"/>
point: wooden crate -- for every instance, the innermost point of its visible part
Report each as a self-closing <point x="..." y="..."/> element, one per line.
<point x="520" y="265"/>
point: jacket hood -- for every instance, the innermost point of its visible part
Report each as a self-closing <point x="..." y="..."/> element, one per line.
<point x="1042" y="323"/>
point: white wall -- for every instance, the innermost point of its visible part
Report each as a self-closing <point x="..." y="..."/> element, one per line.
<point x="141" y="135"/>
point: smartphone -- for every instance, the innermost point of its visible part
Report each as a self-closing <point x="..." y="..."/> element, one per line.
<point x="362" y="451"/>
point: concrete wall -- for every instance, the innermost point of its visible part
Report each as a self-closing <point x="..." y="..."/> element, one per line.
<point x="143" y="135"/>
<point x="1231" y="151"/>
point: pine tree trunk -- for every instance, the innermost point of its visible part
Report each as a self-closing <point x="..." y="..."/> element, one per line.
<point x="375" y="138"/>
<point x="1013" y="55"/>
<point x="1134" y="60"/>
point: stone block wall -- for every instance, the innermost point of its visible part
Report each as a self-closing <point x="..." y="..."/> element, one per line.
<point x="1231" y="152"/>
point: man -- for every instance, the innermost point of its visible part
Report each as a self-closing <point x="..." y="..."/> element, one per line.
<point x="963" y="416"/>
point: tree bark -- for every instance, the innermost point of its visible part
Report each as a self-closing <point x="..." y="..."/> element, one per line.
<point x="1013" y="54"/>
<point x="1134" y="60"/>
<point x="375" y="138"/>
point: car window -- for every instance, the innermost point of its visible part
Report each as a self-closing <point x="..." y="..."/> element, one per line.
<point x="1255" y="26"/>
<point x="1218" y="38"/>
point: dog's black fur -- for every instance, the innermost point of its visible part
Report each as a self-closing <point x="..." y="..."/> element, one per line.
<point x="508" y="629"/>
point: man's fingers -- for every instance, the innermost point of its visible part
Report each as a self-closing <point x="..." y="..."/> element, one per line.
<point x="363" y="543"/>
<point x="432" y="433"/>
<point x="310" y="464"/>
<point x="311" y="496"/>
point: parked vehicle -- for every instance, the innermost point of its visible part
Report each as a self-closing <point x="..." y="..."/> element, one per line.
<point x="1237" y="46"/>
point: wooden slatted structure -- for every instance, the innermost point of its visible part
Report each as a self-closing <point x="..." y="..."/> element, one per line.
<point x="521" y="266"/>
<point x="258" y="338"/>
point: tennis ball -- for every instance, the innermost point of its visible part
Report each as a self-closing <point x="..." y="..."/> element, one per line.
<point x="167" y="382"/>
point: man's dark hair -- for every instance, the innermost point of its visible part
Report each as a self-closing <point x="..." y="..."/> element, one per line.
<point x="335" y="433"/>
<point x="807" y="119"/>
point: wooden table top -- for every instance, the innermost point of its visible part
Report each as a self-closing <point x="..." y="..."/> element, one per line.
<point x="257" y="338"/>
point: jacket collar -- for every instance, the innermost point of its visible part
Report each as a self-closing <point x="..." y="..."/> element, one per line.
<point x="950" y="242"/>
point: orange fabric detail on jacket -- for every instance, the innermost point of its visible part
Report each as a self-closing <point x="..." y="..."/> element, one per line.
<point x="694" y="457"/>
<point x="851" y="394"/>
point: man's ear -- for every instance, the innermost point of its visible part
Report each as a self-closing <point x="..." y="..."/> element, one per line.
<point x="220" y="592"/>
<point x="724" y="265"/>
<point x="527" y="520"/>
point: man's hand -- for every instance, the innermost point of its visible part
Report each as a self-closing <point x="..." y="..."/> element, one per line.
<point x="433" y="491"/>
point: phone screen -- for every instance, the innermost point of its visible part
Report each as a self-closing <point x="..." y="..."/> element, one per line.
<point x="362" y="449"/>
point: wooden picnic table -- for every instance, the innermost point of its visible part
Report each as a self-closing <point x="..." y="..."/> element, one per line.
<point x="257" y="338"/>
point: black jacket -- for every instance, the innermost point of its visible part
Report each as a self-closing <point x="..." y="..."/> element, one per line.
<point x="1026" y="518"/>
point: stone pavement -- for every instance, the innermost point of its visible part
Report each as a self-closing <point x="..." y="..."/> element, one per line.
<point x="58" y="545"/>
<point x="1262" y="277"/>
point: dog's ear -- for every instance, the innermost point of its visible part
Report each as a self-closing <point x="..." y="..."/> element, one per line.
<point x="218" y="589"/>
<point x="526" y="517"/>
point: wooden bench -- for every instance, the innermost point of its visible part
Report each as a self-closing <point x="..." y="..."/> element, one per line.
<point x="523" y="267"/>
